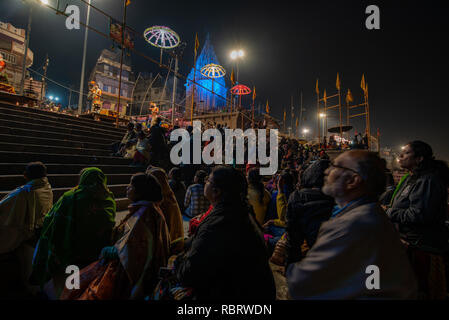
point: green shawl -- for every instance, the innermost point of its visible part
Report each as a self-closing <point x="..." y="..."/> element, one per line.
<point x="77" y="227"/>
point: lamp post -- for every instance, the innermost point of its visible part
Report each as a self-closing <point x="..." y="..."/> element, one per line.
<point x="83" y="65"/>
<point x="236" y="55"/>
<point x="25" y="54"/>
<point x="323" y="117"/>
<point x="305" y="131"/>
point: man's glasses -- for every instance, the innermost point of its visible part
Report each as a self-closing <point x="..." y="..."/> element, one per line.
<point x="332" y="164"/>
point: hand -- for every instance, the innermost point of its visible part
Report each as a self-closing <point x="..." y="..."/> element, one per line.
<point x="268" y="223"/>
<point x="384" y="207"/>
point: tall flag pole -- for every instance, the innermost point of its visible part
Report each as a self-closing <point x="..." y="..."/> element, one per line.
<point x="125" y="4"/>
<point x="338" y="85"/>
<point x="267" y="108"/>
<point x="317" y="90"/>
<point x="285" y="117"/>
<point x="232" y="84"/>
<point x="197" y="44"/>
<point x="252" y="111"/>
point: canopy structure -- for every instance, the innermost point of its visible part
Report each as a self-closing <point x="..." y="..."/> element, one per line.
<point x="213" y="71"/>
<point x="240" y="90"/>
<point x="161" y="37"/>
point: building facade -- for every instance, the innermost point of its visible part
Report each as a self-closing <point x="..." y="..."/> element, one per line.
<point x="12" y="49"/>
<point x="156" y="90"/>
<point x="106" y="74"/>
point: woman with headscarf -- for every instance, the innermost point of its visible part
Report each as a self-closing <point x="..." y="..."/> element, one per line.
<point x="227" y="257"/>
<point x="170" y="209"/>
<point x="129" y="269"/>
<point x="258" y="196"/>
<point x="419" y="210"/>
<point x="75" y="230"/>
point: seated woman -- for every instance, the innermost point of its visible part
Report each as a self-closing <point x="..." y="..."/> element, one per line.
<point x="75" y="230"/>
<point x="258" y="196"/>
<point x="276" y="226"/>
<point x="22" y="213"/>
<point x="227" y="257"/>
<point x="170" y="209"/>
<point x="177" y="185"/>
<point x="195" y="201"/>
<point x="142" y="154"/>
<point x="141" y="248"/>
<point x="419" y="209"/>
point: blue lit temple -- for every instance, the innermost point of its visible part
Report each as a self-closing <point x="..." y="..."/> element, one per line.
<point x="204" y="100"/>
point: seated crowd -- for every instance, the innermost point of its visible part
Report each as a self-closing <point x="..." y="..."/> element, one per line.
<point x="320" y="221"/>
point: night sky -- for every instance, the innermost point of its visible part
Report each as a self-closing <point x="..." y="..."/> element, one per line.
<point x="288" y="46"/>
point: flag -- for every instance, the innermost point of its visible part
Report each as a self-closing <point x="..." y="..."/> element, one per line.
<point x="349" y="97"/>
<point x="285" y="115"/>
<point x="338" y="82"/>
<point x="254" y="93"/>
<point x="128" y="2"/>
<point x="316" y="88"/>
<point x="232" y="77"/>
<point x="296" y="122"/>
<point x="267" y="108"/>
<point x="363" y="84"/>
<point x="325" y="97"/>
<point x="197" y="44"/>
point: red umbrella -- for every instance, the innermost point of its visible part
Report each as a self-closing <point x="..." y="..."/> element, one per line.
<point x="240" y="90"/>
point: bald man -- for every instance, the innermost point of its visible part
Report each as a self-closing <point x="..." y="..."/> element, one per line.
<point x="358" y="253"/>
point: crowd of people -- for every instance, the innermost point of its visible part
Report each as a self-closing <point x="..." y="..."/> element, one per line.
<point x="325" y="223"/>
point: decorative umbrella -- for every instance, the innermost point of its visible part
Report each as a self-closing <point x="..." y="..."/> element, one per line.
<point x="240" y="90"/>
<point x="161" y="37"/>
<point x="213" y="71"/>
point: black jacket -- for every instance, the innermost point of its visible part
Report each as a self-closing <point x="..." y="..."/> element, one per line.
<point x="227" y="258"/>
<point x="420" y="209"/>
<point x="307" y="210"/>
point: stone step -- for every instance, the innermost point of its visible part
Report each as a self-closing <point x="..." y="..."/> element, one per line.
<point x="44" y="133"/>
<point x="69" y="168"/>
<point x="15" y="147"/>
<point x="7" y="156"/>
<point x="53" y="128"/>
<point x="18" y="139"/>
<point x="61" y="116"/>
<point x="10" y="182"/>
<point x="118" y="190"/>
<point x="12" y="114"/>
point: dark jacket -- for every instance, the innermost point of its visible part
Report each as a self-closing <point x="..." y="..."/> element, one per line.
<point x="227" y="258"/>
<point x="307" y="210"/>
<point x="420" y="209"/>
<point x="157" y="139"/>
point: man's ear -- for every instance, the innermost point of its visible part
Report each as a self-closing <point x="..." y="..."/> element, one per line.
<point x="354" y="182"/>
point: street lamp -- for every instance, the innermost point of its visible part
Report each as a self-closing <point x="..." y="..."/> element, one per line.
<point x="305" y="132"/>
<point x="51" y="98"/>
<point x="57" y="99"/>
<point x="83" y="65"/>
<point x="236" y="55"/>
<point x="323" y="116"/>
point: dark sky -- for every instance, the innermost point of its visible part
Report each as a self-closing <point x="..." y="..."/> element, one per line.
<point x="288" y="46"/>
